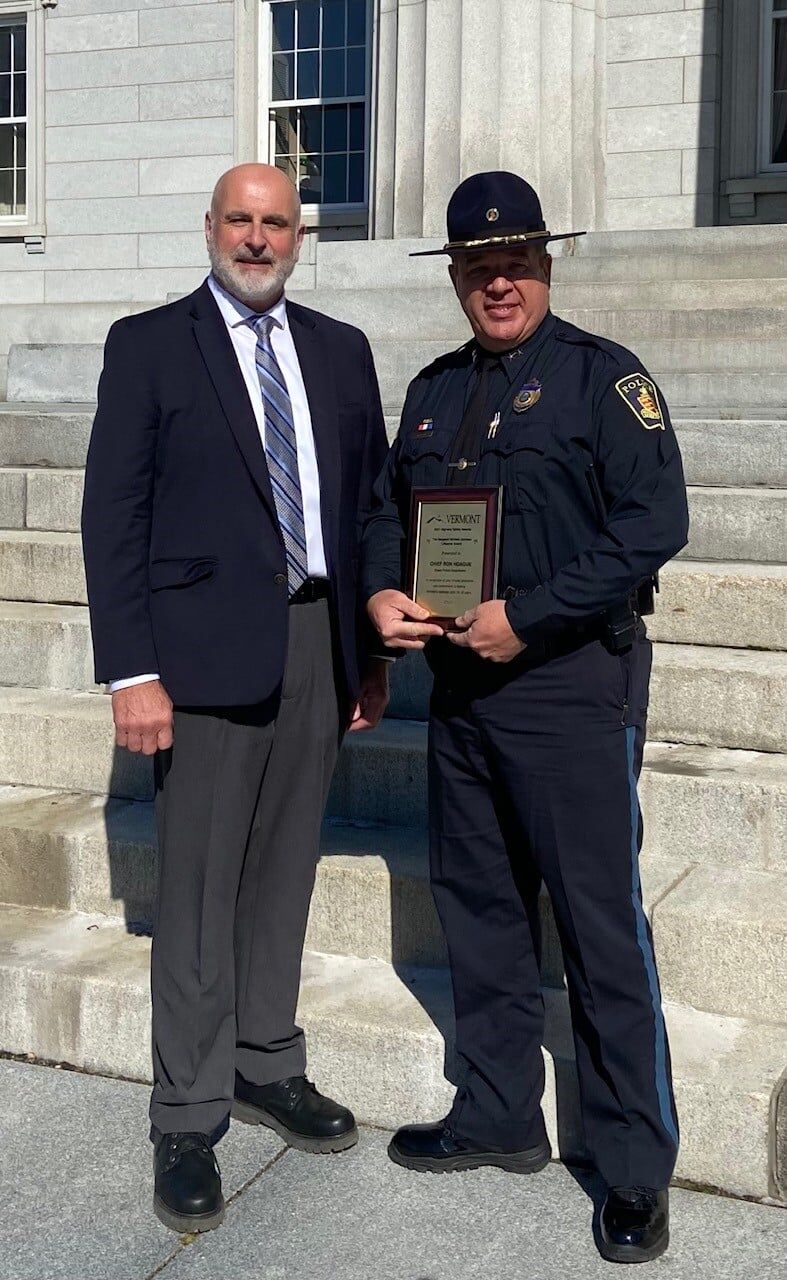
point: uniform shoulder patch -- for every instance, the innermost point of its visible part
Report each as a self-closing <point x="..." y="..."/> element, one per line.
<point x="642" y="398"/>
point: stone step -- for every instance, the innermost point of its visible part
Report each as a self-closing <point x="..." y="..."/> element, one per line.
<point x="725" y="807"/>
<point x="72" y="851"/>
<point x="726" y="524"/>
<point x="735" y="605"/>
<point x="685" y="370"/>
<point x="435" y="313"/>
<point x="720" y="935"/>
<point x="721" y="941"/>
<point x="711" y="696"/>
<point x="708" y="695"/>
<point x="717" y="451"/>
<point x="657" y="257"/>
<point x="728" y="804"/>
<point x="75" y="989"/>
<point x="43" y="567"/>
<point x="45" y="435"/>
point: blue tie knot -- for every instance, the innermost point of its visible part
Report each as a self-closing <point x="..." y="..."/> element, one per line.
<point x="262" y="326"/>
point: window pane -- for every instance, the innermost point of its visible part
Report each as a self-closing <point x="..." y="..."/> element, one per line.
<point x="5" y="95"/>
<point x="333" y="24"/>
<point x="6" y="146"/>
<point x="283" y="26"/>
<point x="780" y="56"/>
<point x="335" y="129"/>
<point x="311" y="129"/>
<point x="21" y="145"/>
<point x="357" y="126"/>
<point x="288" y="165"/>
<point x="355" y="191"/>
<point x="308" y="24"/>
<point x="779" y="151"/>
<point x="308" y="75"/>
<point x="5" y="49"/>
<point x="283" y="76"/>
<point x="310" y="182"/>
<point x="20" y="48"/>
<point x="285" y="136"/>
<point x="356" y="72"/>
<point x="6" y="192"/>
<point x="335" y="179"/>
<point x="333" y="73"/>
<point x="356" y="22"/>
<point x="21" y="191"/>
<point x="20" y="96"/>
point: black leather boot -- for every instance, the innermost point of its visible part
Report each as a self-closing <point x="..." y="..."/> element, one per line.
<point x="188" y="1183"/>
<point x="634" y="1224"/>
<point x="437" y="1149"/>
<point x="295" y="1110"/>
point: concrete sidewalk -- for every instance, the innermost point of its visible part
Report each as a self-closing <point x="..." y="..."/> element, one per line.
<point x="76" y="1190"/>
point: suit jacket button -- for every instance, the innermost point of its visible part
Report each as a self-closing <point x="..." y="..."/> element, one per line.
<point x="280" y="579"/>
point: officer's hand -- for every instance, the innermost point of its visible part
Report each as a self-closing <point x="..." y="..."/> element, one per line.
<point x="390" y="611"/>
<point x="487" y="631"/>
<point x="373" y="699"/>
<point x="143" y="717"/>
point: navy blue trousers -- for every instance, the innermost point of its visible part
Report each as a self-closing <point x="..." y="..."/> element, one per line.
<point x="533" y="769"/>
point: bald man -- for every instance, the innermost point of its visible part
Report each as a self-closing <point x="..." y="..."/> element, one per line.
<point x="229" y="473"/>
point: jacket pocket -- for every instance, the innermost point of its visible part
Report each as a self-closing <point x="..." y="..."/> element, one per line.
<point x="521" y="451"/>
<point x="180" y="572"/>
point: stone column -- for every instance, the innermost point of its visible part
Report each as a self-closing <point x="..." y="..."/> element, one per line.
<point x="410" y="85"/>
<point x="467" y="85"/>
<point x="442" y="109"/>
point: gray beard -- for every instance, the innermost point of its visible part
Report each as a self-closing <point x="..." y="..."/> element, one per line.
<point x="259" y="295"/>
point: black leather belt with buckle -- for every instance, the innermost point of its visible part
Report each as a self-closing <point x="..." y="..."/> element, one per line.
<point x="310" y="590"/>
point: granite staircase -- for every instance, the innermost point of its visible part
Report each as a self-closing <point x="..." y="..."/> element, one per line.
<point x="705" y="310"/>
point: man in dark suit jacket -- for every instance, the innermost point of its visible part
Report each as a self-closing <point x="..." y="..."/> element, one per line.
<point x="228" y="478"/>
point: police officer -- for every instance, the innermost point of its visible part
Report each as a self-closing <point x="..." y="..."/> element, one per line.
<point x="537" y="717"/>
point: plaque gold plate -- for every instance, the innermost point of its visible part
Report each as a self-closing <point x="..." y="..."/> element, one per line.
<point x="453" y="549"/>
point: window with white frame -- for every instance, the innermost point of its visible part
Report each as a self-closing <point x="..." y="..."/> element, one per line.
<point x="774" y="113"/>
<point x="319" y="98"/>
<point x="13" y="117"/>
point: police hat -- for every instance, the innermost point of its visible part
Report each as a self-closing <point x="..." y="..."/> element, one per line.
<point x="494" y="211"/>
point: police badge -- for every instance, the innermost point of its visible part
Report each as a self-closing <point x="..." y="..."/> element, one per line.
<point x="642" y="398"/>
<point x="529" y="395"/>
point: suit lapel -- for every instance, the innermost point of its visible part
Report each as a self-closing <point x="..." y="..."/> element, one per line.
<point x="219" y="356"/>
<point x="318" y="379"/>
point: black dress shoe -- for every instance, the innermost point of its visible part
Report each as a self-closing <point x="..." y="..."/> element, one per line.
<point x="295" y="1110"/>
<point x="634" y="1224"/>
<point x="188" y="1183"/>
<point x="437" y="1149"/>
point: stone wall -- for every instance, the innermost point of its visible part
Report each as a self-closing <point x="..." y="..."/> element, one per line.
<point x="662" y="73"/>
<point x="139" y="123"/>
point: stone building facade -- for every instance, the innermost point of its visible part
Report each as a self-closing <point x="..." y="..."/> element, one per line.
<point x="627" y="114"/>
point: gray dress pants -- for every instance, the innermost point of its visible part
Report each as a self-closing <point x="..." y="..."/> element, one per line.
<point x="239" y="803"/>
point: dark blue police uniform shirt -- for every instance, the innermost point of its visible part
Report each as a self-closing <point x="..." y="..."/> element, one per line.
<point x="594" y="496"/>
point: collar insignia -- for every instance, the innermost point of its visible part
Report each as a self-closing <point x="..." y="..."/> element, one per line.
<point x="529" y="395"/>
<point x="642" y="398"/>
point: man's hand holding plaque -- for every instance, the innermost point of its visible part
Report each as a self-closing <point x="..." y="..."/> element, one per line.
<point x="400" y="622"/>
<point x="487" y="631"/>
<point x="453" y="549"/>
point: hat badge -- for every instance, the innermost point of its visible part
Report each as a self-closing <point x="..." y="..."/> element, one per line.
<point x="492" y="215"/>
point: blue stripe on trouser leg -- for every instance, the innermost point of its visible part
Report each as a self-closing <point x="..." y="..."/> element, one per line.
<point x="643" y="941"/>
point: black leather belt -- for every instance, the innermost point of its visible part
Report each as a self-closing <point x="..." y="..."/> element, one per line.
<point x="310" y="590"/>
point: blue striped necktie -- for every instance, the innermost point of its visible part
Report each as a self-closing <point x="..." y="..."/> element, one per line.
<point x="281" y="452"/>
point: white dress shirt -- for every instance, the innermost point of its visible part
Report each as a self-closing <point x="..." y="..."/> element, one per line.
<point x="244" y="341"/>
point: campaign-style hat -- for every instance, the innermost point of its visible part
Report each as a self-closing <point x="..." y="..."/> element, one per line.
<point x="494" y="211"/>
